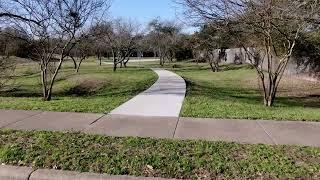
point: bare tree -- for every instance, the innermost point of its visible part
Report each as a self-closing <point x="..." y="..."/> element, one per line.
<point x="164" y="36"/>
<point x="266" y="29"/>
<point x="211" y="45"/>
<point x="81" y="50"/>
<point x="8" y="11"/>
<point x="99" y="45"/>
<point x="53" y="27"/>
<point x="121" y="37"/>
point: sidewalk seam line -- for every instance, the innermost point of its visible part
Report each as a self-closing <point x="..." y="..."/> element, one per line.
<point x="175" y="129"/>
<point x="89" y="126"/>
<point x="21" y="120"/>
<point x="97" y="120"/>
<point x="269" y="135"/>
<point x="29" y="176"/>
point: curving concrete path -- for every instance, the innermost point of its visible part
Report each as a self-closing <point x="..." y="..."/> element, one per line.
<point x="155" y="113"/>
<point x="162" y="99"/>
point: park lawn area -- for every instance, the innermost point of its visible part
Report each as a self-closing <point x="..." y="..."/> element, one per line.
<point x="159" y="158"/>
<point x="234" y="93"/>
<point x="95" y="89"/>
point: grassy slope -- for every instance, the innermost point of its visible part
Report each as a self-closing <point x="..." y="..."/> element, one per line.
<point x="94" y="89"/>
<point x="234" y="93"/>
<point x="162" y="158"/>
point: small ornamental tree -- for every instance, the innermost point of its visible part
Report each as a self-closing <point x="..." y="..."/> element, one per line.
<point x="267" y="30"/>
<point x="53" y="27"/>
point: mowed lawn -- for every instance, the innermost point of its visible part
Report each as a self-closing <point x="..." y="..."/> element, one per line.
<point x="234" y="93"/>
<point x="160" y="158"/>
<point x="95" y="88"/>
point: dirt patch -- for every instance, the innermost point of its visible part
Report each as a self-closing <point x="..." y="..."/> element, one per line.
<point x="87" y="87"/>
<point x="295" y="86"/>
<point x="290" y="86"/>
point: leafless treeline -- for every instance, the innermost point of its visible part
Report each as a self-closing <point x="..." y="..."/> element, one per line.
<point x="268" y="30"/>
<point x="55" y="30"/>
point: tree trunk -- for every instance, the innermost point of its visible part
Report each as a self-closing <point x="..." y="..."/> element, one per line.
<point x="74" y="62"/>
<point x="270" y="88"/>
<point x="44" y="81"/>
<point x="161" y="61"/>
<point x="49" y="91"/>
<point x="125" y="63"/>
<point x="216" y="67"/>
<point x="83" y="58"/>
<point x="114" y="67"/>
<point x="114" y="61"/>
<point x="212" y="68"/>
<point x="269" y="100"/>
<point x="214" y="62"/>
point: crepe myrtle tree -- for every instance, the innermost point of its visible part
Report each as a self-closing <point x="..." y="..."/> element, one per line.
<point x="266" y="29"/>
<point x="53" y="27"/>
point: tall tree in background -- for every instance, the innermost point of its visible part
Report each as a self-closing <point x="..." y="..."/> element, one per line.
<point x="121" y="37"/>
<point x="307" y="52"/>
<point x="82" y="49"/>
<point x="210" y="44"/>
<point x="266" y="29"/>
<point x="164" y="36"/>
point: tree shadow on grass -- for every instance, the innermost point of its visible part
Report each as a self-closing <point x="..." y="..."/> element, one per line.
<point x="86" y="89"/>
<point x="19" y="93"/>
<point x="206" y="67"/>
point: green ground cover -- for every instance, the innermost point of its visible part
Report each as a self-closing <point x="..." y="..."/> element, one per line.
<point x="234" y="93"/>
<point x="94" y="89"/>
<point x="160" y="158"/>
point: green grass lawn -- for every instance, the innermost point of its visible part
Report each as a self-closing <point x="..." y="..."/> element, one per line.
<point x="94" y="89"/>
<point x="160" y="158"/>
<point x="234" y="93"/>
<point x="231" y="93"/>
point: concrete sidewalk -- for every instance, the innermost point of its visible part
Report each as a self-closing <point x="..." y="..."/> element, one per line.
<point x="250" y="131"/>
<point x="28" y="173"/>
<point x="163" y="99"/>
<point x="241" y="131"/>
